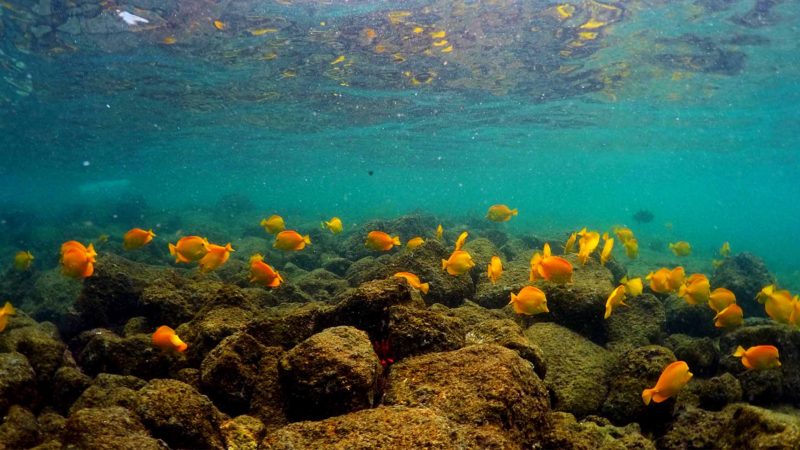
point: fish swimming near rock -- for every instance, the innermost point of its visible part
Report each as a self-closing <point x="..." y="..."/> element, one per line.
<point x="631" y="248"/>
<point x="380" y="241"/>
<point x="587" y="244"/>
<point x="608" y="246"/>
<point x="569" y="246"/>
<point x="23" y="260"/>
<point x="731" y="316"/>
<point x="778" y="303"/>
<point x="681" y="248"/>
<point x="759" y="357"/>
<point x="725" y="250"/>
<point x="137" y="238"/>
<point x="696" y="289"/>
<point x="461" y="239"/>
<point x="501" y="213"/>
<point x="495" y="269"/>
<point x="334" y="225"/>
<point x="459" y="263"/>
<point x="616" y="298"/>
<point x="262" y="273"/>
<point x="166" y="339"/>
<point x="414" y="242"/>
<point x="216" y="256"/>
<point x="633" y="286"/>
<point x="643" y="216"/>
<point x="273" y="224"/>
<point x="77" y="261"/>
<point x="290" y="240"/>
<point x="721" y="298"/>
<point x="189" y="249"/>
<point x="413" y="281"/>
<point x="551" y="268"/>
<point x="529" y="301"/>
<point x="5" y="312"/>
<point x="665" y="281"/>
<point x="672" y="379"/>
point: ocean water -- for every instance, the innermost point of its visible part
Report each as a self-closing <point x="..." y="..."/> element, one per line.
<point x="578" y="116"/>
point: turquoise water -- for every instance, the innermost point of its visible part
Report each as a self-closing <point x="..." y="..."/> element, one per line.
<point x="686" y="109"/>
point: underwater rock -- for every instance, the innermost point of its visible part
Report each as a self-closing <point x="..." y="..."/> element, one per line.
<point x="580" y="305"/>
<point x="229" y="372"/>
<point x="415" y="331"/>
<point x="17" y="382"/>
<point x="336" y="265"/>
<point x="744" y="274"/>
<point x="481" y="250"/>
<point x="497" y="295"/>
<point x="479" y="384"/>
<point x="636" y="370"/>
<point x="392" y="427"/>
<point x="51" y="297"/>
<point x="717" y="392"/>
<point x="321" y="284"/>
<point x="407" y="227"/>
<point x="39" y="343"/>
<point x="367" y="306"/>
<point x="182" y="417"/>
<point x="292" y="323"/>
<point x="134" y="355"/>
<point x="108" y="390"/>
<point x="107" y="428"/>
<point x="516" y="249"/>
<point x="701" y="354"/>
<point x="68" y="384"/>
<point x="332" y="372"/>
<point x="506" y="333"/>
<point x="363" y="270"/>
<point x="737" y="426"/>
<point x="567" y="433"/>
<point x="641" y="323"/>
<point x="209" y="328"/>
<point x="19" y="429"/>
<point x="242" y="433"/>
<point x="471" y="313"/>
<point x="694" y="320"/>
<point x="578" y="370"/>
<point x="51" y="429"/>
<point x="267" y="402"/>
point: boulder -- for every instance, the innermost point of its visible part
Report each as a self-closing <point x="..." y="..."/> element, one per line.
<point x="108" y="428"/>
<point x="641" y="323"/>
<point x="415" y="331"/>
<point x="744" y="274"/>
<point x="17" y="382"/>
<point x="506" y="333"/>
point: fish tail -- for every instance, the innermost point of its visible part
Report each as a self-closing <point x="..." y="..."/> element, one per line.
<point x="608" y="312"/>
<point x="323" y="224"/>
<point x="739" y="352"/>
<point x="396" y="240"/>
<point x="514" y="212"/>
<point x="307" y="239"/>
<point x="647" y="395"/>
<point x="8" y="309"/>
<point x="229" y="248"/>
<point x="172" y="249"/>
<point x="444" y="264"/>
<point x="424" y="287"/>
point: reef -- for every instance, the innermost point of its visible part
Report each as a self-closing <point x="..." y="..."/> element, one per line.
<point x="344" y="355"/>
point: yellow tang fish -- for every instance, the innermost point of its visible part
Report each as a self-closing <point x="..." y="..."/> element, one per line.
<point x="605" y="255"/>
<point x="587" y="244"/>
<point x="631" y="248"/>
<point x="166" y="339"/>
<point x="569" y="247"/>
<point x="500" y="213"/>
<point x="414" y="242"/>
<point x="338" y="59"/>
<point x="461" y="239"/>
<point x="732" y="316"/>
<point x="459" y="263"/>
<point x="696" y="289"/>
<point x="273" y="224"/>
<point x="335" y="225"/>
<point x="529" y="301"/>
<point x="633" y="286"/>
<point x="6" y="311"/>
<point x="220" y="25"/>
<point x="262" y="273"/>
<point x="23" y="260"/>
<point x="216" y="256"/>
<point x="725" y="250"/>
<point x="623" y="234"/>
<point x="681" y="248"/>
<point x="413" y="281"/>
<point x="438" y="34"/>
<point x="77" y="261"/>
<point x="616" y="298"/>
<point x="495" y="269"/>
<point x="262" y="31"/>
<point x="721" y="298"/>
<point x="759" y="357"/>
<point x="672" y="379"/>
<point x="137" y="238"/>
<point x="291" y="240"/>
<point x="439" y="232"/>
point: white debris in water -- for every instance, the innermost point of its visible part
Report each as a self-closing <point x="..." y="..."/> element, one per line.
<point x="131" y="19"/>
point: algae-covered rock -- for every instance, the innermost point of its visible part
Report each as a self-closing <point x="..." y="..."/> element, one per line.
<point x="636" y="370"/>
<point x="321" y="284"/>
<point x="394" y="427"/>
<point x="578" y="370"/>
<point x="332" y="372"/>
<point x="19" y="429"/>
<point x="51" y="427"/>
<point x="134" y="355"/>
<point x="108" y="428"/>
<point x="744" y="274"/>
<point x="108" y="390"/>
<point x="472" y="313"/>
<point x="267" y="402"/>
<point x="230" y="370"/>
<point x="641" y="323"/>
<point x="17" y="381"/>
<point x="568" y="434"/>
<point x="40" y="344"/>
<point x="242" y="433"/>
<point x="497" y="295"/>
<point x="209" y="328"/>
<point x="289" y="324"/>
<point x="508" y="334"/>
<point x="175" y="412"/>
<point x="414" y="331"/>
<point x="336" y="265"/>
<point x="717" y="392"/>
<point x="694" y="320"/>
<point x="68" y="384"/>
<point x="479" y="384"/>
<point x="700" y="354"/>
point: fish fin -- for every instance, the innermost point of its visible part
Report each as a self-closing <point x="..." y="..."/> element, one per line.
<point x="544" y="308"/>
<point x="396" y="240"/>
<point x="307" y="239"/>
<point x="608" y="312"/>
<point x="172" y="249"/>
<point x="424" y="287"/>
<point x="739" y="352"/>
<point x="746" y="363"/>
<point x="647" y="395"/>
<point x="8" y="309"/>
<point x="229" y="248"/>
<point x="3" y="322"/>
<point x="88" y="271"/>
<point x="514" y="212"/>
<point x="659" y="397"/>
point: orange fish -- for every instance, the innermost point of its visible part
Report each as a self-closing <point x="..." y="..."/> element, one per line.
<point x="291" y="240"/>
<point x="262" y="273"/>
<point x="721" y="298"/>
<point x="731" y="316"/>
<point x="413" y="281"/>
<point x="461" y="239"/>
<point x="189" y="249"/>
<point x="672" y="379"/>
<point x="495" y="269"/>
<point x="6" y="311"/>
<point x="608" y="245"/>
<point x="696" y="289"/>
<point x="500" y="213"/>
<point x="777" y="303"/>
<point x="664" y="281"/>
<point x="166" y="339"/>
<point x="587" y="244"/>
<point x="631" y="248"/>
<point x="273" y="224"/>
<point x="216" y="256"/>
<point x="633" y="287"/>
<point x="616" y="298"/>
<point x="529" y="301"/>
<point x="460" y="262"/>
<point x="77" y="261"/>
<point x="414" y="242"/>
<point x="569" y="247"/>
<point x="380" y="241"/>
<point x="137" y="238"/>
<point x="551" y="268"/>
<point x="759" y="357"/>
<point x="23" y="260"/>
<point x="220" y="25"/>
<point x="623" y="234"/>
